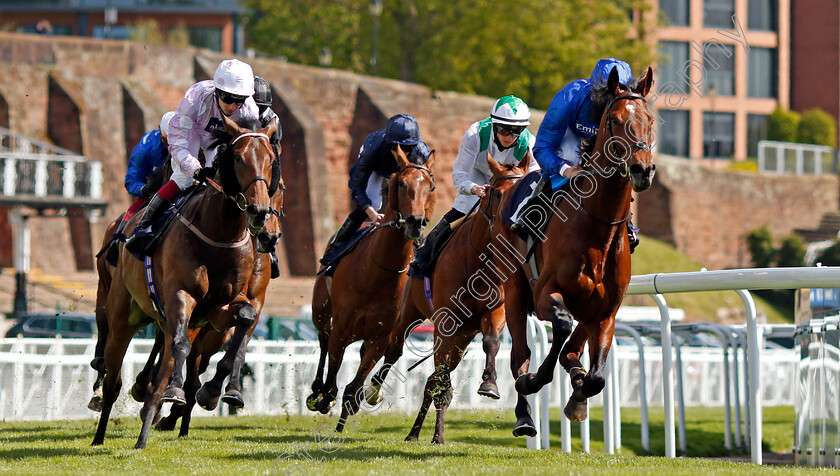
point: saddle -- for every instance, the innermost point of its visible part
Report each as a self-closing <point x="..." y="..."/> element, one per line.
<point x="438" y="245"/>
<point x="334" y="257"/>
<point x="163" y="221"/>
<point x="529" y="206"/>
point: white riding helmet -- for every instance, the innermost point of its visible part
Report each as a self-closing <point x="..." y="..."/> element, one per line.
<point x="510" y="110"/>
<point x="234" y="77"/>
<point x="164" y="122"/>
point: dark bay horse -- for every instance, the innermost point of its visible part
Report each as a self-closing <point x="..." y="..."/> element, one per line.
<point x="360" y="301"/>
<point x="583" y="263"/>
<point x="203" y="266"/>
<point x="468" y="297"/>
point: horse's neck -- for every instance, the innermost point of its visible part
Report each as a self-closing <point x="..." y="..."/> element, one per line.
<point x="391" y="249"/>
<point x="217" y="217"/>
<point x="479" y="234"/>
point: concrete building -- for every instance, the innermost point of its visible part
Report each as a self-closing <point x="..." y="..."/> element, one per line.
<point x="724" y="65"/>
<point x="211" y="24"/>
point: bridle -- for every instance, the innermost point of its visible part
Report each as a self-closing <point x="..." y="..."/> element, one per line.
<point x="239" y="199"/>
<point x="485" y="211"/>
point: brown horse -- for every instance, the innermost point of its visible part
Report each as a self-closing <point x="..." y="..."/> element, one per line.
<point x="583" y="263"/>
<point x="203" y="267"/>
<point x="360" y="303"/>
<point x="467" y="297"/>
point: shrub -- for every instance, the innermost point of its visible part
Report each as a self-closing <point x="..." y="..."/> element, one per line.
<point x="792" y="252"/>
<point x="760" y="245"/>
<point x="817" y="127"/>
<point x="831" y="255"/>
<point x="783" y="125"/>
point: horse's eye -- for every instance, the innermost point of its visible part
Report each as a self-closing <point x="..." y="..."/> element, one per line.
<point x="401" y="184"/>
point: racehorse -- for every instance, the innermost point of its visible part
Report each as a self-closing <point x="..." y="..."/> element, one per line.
<point x="360" y="301"/>
<point x="203" y="266"/>
<point x="467" y="298"/>
<point x="581" y="265"/>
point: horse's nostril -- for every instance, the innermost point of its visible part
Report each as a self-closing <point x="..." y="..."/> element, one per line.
<point x="636" y="169"/>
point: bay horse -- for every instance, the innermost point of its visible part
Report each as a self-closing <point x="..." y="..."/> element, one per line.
<point x="203" y="266"/>
<point x="467" y="297"/>
<point x="583" y="262"/>
<point x="360" y="301"/>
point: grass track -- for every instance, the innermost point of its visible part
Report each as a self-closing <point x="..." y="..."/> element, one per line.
<point x="477" y="443"/>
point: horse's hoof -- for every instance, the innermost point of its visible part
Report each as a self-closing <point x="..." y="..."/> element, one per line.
<point x="437" y="441"/>
<point x="234" y="399"/>
<point x="138" y="393"/>
<point x="324" y="405"/>
<point x="175" y="396"/>
<point x="312" y="403"/>
<point x="373" y="395"/>
<point x="576" y="411"/>
<point x="525" y="427"/>
<point x="489" y="389"/>
<point x="205" y="400"/>
<point x="95" y="403"/>
<point x="166" y="424"/>
<point x="411" y="438"/>
<point x="523" y="383"/>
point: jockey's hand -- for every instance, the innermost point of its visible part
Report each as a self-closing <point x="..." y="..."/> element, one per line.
<point x="147" y="190"/>
<point x="374" y="216"/>
<point x="479" y="190"/>
<point x="201" y="174"/>
<point x="573" y="171"/>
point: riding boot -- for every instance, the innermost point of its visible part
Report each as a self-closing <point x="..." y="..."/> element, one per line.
<point x="114" y="247"/>
<point x="348" y="228"/>
<point x="519" y="223"/>
<point x="425" y="254"/>
<point x="632" y="235"/>
<point x="275" y="267"/>
<point x="143" y="232"/>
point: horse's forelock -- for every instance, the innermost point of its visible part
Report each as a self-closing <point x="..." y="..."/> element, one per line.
<point x="224" y="154"/>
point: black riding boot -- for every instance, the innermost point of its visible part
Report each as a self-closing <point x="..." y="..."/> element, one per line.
<point x="275" y="267"/>
<point x="350" y="225"/>
<point x="632" y="235"/>
<point x="114" y="247"/>
<point x="519" y="222"/>
<point x="143" y="232"/>
<point x="423" y="257"/>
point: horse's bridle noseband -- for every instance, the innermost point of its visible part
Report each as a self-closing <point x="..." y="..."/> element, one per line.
<point x="239" y="199"/>
<point x="399" y="221"/>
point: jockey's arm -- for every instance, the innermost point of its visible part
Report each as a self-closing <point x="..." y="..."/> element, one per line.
<point x="359" y="175"/>
<point x="560" y="115"/>
<point x="184" y="141"/>
<point x="465" y="162"/>
<point x="140" y="163"/>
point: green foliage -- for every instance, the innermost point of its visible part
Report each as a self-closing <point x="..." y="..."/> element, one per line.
<point x="748" y="165"/>
<point x="792" y="252"/>
<point x="149" y="31"/>
<point x="831" y="255"/>
<point x="760" y="246"/>
<point x="783" y="125"/>
<point x="817" y="127"/>
<point x="530" y="49"/>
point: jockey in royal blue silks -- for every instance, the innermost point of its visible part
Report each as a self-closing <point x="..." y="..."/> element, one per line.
<point x="569" y="120"/>
<point x="377" y="161"/>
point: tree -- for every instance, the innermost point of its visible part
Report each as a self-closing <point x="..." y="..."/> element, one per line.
<point x="817" y="127"/>
<point x="792" y="252"/>
<point x="782" y="125"/>
<point x="760" y="246"/>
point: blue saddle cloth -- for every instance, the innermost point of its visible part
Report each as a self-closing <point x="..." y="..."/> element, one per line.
<point x="334" y="256"/>
<point x="521" y="193"/>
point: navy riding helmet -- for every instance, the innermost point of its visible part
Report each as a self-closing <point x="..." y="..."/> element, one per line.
<point x="262" y="92"/>
<point x="402" y="129"/>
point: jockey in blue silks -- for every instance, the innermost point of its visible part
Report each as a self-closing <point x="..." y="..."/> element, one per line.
<point x="377" y="161"/>
<point x="568" y="121"/>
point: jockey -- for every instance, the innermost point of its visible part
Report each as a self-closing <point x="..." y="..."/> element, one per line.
<point x="376" y="162"/>
<point x="505" y="137"/>
<point x="262" y="97"/>
<point x="229" y="93"/>
<point x="150" y="153"/>
<point x="570" y="119"/>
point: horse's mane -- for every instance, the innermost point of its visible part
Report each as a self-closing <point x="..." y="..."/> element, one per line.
<point x="224" y="158"/>
<point x="600" y="98"/>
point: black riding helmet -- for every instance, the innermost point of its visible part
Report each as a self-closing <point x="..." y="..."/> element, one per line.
<point x="262" y="93"/>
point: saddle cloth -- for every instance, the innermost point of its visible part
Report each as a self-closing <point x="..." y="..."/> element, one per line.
<point x="523" y="191"/>
<point x="334" y="256"/>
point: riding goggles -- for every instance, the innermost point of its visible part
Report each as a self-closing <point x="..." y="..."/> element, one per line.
<point x="405" y="148"/>
<point x="229" y="98"/>
<point x="505" y="130"/>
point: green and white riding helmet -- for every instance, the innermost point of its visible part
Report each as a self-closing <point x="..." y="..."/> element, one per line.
<point x="511" y="111"/>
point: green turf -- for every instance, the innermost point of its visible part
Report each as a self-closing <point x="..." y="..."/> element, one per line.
<point x="654" y="256"/>
<point x="477" y="443"/>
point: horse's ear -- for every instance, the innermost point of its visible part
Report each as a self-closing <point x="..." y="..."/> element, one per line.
<point x="272" y="127"/>
<point x="402" y="159"/>
<point x="525" y="163"/>
<point x="645" y="83"/>
<point x="431" y="160"/>
<point x="613" y="84"/>
<point x="393" y="193"/>
<point x="495" y="168"/>
<point x="231" y="126"/>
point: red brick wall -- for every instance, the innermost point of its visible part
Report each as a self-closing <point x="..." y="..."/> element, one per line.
<point x="815" y="56"/>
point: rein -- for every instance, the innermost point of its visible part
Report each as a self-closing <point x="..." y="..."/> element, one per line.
<point x="486" y="212"/>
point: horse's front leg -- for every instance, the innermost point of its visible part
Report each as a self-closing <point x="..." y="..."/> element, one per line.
<point x="179" y="308"/>
<point x="244" y="317"/>
<point x="372" y="350"/>
<point x="550" y="307"/>
<point x="600" y="340"/>
<point x="576" y="409"/>
<point x="492" y="323"/>
<point x="517" y="295"/>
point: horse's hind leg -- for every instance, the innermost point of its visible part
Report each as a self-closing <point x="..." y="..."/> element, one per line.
<point x="152" y="404"/>
<point x="195" y="367"/>
<point x="576" y="408"/>
<point x="516" y="301"/>
<point x="409" y="318"/>
<point x="428" y="391"/>
<point x="443" y="393"/>
<point x="144" y="377"/>
<point x="337" y="346"/>
<point x="321" y="318"/>
<point x="209" y="393"/>
<point x="372" y="350"/>
<point x="492" y="323"/>
<point x="177" y="317"/>
<point x="98" y="362"/>
<point x="550" y="306"/>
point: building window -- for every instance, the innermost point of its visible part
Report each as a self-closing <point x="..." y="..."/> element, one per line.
<point x="206" y="37"/>
<point x="719" y="61"/>
<point x="761" y="15"/>
<point x="761" y="73"/>
<point x="756" y="131"/>
<point x="673" y="58"/>
<point x="718" y="134"/>
<point x="718" y="13"/>
<point x="62" y="30"/>
<point x="673" y="133"/>
<point x="117" y="32"/>
<point x="675" y="11"/>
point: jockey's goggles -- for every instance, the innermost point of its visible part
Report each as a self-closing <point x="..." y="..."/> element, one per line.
<point x="405" y="147"/>
<point x="229" y="98"/>
<point x="505" y="130"/>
